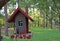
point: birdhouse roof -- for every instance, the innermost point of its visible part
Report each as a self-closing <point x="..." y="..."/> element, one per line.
<point x="12" y="17"/>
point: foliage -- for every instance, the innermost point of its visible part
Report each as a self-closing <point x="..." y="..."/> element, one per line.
<point x="11" y="25"/>
<point x="1" y="16"/>
<point x="1" y="19"/>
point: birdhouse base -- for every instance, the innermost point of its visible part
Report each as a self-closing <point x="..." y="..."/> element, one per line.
<point x="22" y="36"/>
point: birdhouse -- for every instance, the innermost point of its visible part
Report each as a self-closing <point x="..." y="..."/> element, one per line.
<point x="20" y="19"/>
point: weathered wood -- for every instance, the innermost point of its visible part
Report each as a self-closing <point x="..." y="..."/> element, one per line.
<point x="6" y="17"/>
<point x="3" y="2"/>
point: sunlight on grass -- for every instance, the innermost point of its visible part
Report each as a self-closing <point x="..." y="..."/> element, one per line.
<point x="39" y="35"/>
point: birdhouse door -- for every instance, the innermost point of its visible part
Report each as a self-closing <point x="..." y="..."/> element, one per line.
<point x="20" y="23"/>
<point x="20" y="26"/>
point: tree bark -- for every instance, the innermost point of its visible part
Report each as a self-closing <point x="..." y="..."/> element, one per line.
<point x="46" y="20"/>
<point x="0" y="33"/>
<point x="59" y="21"/>
<point x="6" y="17"/>
<point x="3" y="2"/>
<point x="51" y="22"/>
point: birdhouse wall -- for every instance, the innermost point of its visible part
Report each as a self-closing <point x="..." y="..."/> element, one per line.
<point x="20" y="23"/>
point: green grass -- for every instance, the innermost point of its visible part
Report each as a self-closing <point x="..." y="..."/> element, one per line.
<point x="39" y="34"/>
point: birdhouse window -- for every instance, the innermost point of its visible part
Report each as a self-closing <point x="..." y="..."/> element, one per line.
<point x="20" y="23"/>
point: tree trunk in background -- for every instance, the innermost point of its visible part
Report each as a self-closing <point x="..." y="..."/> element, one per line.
<point x="46" y="20"/>
<point x="34" y="17"/>
<point x="0" y="33"/>
<point x="3" y="2"/>
<point x="51" y="22"/>
<point x="51" y="17"/>
<point x="6" y="17"/>
<point x="44" y="17"/>
<point x="50" y="11"/>
<point x="59" y="21"/>
<point x="38" y="19"/>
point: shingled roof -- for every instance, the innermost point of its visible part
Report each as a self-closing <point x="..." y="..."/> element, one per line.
<point x="3" y="2"/>
<point x="12" y="17"/>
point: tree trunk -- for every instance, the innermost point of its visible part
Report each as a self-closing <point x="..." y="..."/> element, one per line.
<point x="0" y="33"/>
<point x="51" y="22"/>
<point x="38" y="21"/>
<point x="6" y="17"/>
<point x="35" y="18"/>
<point x="3" y="2"/>
<point x="46" y="20"/>
<point x="59" y="21"/>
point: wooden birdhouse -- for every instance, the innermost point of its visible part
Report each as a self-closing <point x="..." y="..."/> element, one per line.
<point x="20" y="19"/>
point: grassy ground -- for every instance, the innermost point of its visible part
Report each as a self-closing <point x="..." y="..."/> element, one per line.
<point x="39" y="34"/>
